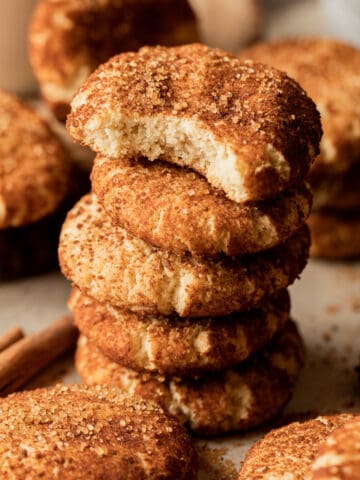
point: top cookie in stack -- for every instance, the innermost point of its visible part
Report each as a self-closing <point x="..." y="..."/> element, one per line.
<point x="248" y="129"/>
<point x="329" y="72"/>
<point x="197" y="212"/>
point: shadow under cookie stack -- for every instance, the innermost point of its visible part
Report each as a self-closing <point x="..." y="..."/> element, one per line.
<point x="182" y="253"/>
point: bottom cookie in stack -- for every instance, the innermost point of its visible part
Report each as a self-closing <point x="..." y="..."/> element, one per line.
<point x="213" y="377"/>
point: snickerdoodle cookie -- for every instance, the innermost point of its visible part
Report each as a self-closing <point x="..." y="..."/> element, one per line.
<point x="178" y="210"/>
<point x="68" y="39"/>
<point x="234" y="399"/>
<point x="339" y="455"/>
<point x="92" y="433"/>
<point x="289" y="452"/>
<point x="177" y="346"/>
<point x="339" y="192"/>
<point x="34" y="171"/>
<point x="38" y="185"/>
<point x="112" y="266"/>
<point x="246" y="127"/>
<point x="335" y="235"/>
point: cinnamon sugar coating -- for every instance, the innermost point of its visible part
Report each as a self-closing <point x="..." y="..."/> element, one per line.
<point x="339" y="455"/>
<point x="289" y="452"/>
<point x="176" y="346"/>
<point x="112" y="266"/>
<point x="93" y="433"/>
<point x="248" y="128"/>
<point x="328" y="70"/>
<point x="34" y="171"/>
<point x="68" y="39"/>
<point x="178" y="210"/>
<point x="236" y="399"/>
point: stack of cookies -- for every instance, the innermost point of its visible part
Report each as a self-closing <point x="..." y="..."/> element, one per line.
<point x="329" y="72"/>
<point x="182" y="253"/>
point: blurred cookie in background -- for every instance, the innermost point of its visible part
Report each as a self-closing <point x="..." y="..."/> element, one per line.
<point x="340" y="192"/>
<point x="335" y="235"/>
<point x="38" y="184"/>
<point x="335" y="220"/>
<point x="68" y="39"/>
<point x="34" y="170"/>
<point x="328" y="70"/>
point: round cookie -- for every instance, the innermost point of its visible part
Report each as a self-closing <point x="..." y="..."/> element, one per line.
<point x="68" y="39"/>
<point x="232" y="400"/>
<point x="178" y="210"/>
<point x="175" y="346"/>
<point x="34" y="171"/>
<point x="288" y="452"/>
<point x="339" y="192"/>
<point x="107" y="263"/>
<point x="335" y="236"/>
<point x="339" y="454"/>
<point x="248" y="128"/>
<point x="78" y="432"/>
<point x="328" y="70"/>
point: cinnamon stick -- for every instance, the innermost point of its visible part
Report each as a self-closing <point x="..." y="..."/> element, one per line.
<point x="22" y="360"/>
<point x="11" y="336"/>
